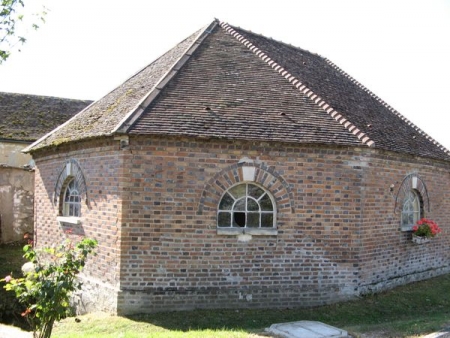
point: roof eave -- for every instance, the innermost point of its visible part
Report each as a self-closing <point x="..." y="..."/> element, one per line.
<point x="29" y="149"/>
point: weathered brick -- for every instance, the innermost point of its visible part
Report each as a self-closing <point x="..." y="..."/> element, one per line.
<point x="153" y="209"/>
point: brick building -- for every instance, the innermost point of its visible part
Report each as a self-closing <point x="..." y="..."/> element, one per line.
<point x="23" y="119"/>
<point x="238" y="171"/>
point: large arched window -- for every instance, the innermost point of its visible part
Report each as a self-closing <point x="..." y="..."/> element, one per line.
<point x="246" y="205"/>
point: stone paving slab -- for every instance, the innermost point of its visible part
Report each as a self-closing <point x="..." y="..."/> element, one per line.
<point x="7" y="331"/>
<point x="306" y="329"/>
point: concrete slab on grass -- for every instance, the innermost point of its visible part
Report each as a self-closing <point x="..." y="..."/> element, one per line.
<point x="306" y="329"/>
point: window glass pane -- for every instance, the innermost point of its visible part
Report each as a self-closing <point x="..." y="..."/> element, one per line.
<point x="67" y="196"/>
<point x="411" y="208"/>
<point x="238" y="191"/>
<point x="240" y="205"/>
<point x="410" y="218"/>
<point x="253" y="220"/>
<point x="70" y="210"/>
<point x="405" y="218"/>
<point x="246" y="205"/>
<point x="416" y="208"/>
<point x="239" y="219"/>
<point x="226" y="203"/>
<point x="266" y="203"/>
<point x="255" y="191"/>
<point x="267" y="220"/>
<point x="252" y="205"/>
<point x="72" y="200"/>
<point x="224" y="219"/>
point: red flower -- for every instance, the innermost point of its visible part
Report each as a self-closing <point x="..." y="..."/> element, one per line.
<point x="26" y="312"/>
<point x="426" y="228"/>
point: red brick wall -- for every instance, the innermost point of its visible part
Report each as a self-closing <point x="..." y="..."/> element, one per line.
<point x="102" y="166"/>
<point x="156" y="201"/>
<point x="389" y="258"/>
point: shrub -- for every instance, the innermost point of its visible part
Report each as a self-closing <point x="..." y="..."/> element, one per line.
<point x="50" y="276"/>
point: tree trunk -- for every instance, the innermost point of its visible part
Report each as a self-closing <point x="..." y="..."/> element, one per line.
<point x="46" y="331"/>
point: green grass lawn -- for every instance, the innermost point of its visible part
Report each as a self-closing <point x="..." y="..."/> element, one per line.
<point x="409" y="311"/>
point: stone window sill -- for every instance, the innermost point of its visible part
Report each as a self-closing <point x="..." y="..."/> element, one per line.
<point x="248" y="231"/>
<point x="406" y="227"/>
<point x="68" y="220"/>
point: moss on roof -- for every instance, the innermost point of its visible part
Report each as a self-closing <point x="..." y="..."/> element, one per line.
<point x="25" y="117"/>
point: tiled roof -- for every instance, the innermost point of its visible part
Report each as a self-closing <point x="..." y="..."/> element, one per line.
<point x="226" y="82"/>
<point x="26" y="117"/>
<point x="104" y="115"/>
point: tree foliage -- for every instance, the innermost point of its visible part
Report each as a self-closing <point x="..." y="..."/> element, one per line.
<point x="13" y="25"/>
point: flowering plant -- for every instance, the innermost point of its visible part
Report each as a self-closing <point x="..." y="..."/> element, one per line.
<point x="50" y="277"/>
<point x="426" y="228"/>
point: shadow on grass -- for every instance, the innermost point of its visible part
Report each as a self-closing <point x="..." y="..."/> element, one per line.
<point x="416" y="308"/>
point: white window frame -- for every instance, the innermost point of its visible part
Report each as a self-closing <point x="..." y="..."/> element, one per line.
<point x="411" y="210"/>
<point x="70" y="200"/>
<point x="243" y="200"/>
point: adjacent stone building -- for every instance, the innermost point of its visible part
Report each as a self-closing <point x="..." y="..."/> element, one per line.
<point x="239" y="171"/>
<point x="23" y="119"/>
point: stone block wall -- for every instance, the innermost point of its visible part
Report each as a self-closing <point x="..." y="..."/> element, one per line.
<point x="16" y="203"/>
<point x="11" y="154"/>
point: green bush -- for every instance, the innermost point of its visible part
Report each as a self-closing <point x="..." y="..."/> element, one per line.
<point x="50" y="278"/>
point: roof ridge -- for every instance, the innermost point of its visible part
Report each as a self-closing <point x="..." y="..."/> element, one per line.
<point x="138" y="110"/>
<point x="43" y="96"/>
<point x="300" y="49"/>
<point x="390" y="108"/>
<point x="300" y="86"/>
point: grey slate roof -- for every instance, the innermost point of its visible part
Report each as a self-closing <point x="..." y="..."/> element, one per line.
<point x="26" y="117"/>
<point x="226" y="82"/>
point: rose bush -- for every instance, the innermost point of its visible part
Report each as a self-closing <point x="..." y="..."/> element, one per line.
<point x="48" y="282"/>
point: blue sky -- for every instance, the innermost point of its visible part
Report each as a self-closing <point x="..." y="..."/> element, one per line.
<point x="400" y="50"/>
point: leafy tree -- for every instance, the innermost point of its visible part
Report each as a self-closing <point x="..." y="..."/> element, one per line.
<point x="50" y="279"/>
<point x="11" y="18"/>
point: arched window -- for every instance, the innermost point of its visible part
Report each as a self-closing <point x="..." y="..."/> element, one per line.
<point x="246" y="205"/>
<point x="71" y="201"/>
<point x="70" y="190"/>
<point x="411" y="201"/>
<point x="412" y="208"/>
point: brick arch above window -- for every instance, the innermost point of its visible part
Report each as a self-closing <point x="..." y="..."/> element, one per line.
<point x="266" y="177"/>
<point x="71" y="169"/>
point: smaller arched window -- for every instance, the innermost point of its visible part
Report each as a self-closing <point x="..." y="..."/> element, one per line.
<point x="246" y="206"/>
<point x="71" y="201"/>
<point x="70" y="190"/>
<point x="412" y="209"/>
<point x="411" y="201"/>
